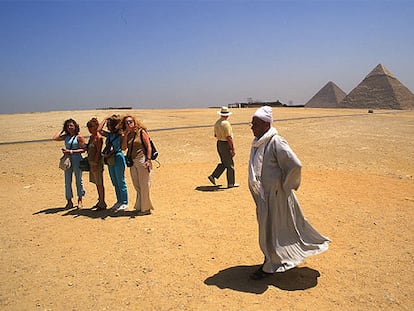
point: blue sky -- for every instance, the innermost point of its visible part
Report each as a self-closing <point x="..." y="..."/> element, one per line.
<point x="73" y="55"/>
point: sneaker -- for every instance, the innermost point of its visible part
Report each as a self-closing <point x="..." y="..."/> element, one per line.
<point x="122" y="207"/>
<point x="212" y="180"/>
<point x="141" y="213"/>
<point x="115" y="206"/>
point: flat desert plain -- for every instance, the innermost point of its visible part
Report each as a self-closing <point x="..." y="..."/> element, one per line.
<point x="196" y="250"/>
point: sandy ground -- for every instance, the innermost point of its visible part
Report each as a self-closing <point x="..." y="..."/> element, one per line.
<point x="196" y="250"/>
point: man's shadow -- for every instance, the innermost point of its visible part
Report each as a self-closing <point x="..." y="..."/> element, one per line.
<point x="88" y="212"/>
<point x="210" y="188"/>
<point x="237" y="278"/>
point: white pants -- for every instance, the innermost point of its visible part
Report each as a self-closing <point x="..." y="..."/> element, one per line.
<point x="141" y="178"/>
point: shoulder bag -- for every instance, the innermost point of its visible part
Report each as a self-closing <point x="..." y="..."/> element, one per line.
<point x="65" y="162"/>
<point x="108" y="153"/>
<point x="154" y="152"/>
<point x="84" y="162"/>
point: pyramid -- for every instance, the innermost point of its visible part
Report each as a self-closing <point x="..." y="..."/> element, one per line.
<point x="328" y="97"/>
<point x="381" y="90"/>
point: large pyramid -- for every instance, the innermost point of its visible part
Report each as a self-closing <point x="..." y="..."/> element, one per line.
<point x="381" y="90"/>
<point x="328" y="97"/>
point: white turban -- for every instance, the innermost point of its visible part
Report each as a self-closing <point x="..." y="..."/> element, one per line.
<point x="264" y="113"/>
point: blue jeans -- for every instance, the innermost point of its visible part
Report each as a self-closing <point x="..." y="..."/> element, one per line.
<point x="117" y="174"/>
<point x="74" y="168"/>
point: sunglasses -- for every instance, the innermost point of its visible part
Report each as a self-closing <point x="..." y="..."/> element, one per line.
<point x="129" y="121"/>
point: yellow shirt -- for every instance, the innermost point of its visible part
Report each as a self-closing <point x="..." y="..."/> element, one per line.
<point x="222" y="129"/>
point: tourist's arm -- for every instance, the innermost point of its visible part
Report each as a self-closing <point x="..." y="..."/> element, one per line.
<point x="231" y="144"/>
<point x="59" y="135"/>
<point x="101" y="126"/>
<point x="146" y="141"/>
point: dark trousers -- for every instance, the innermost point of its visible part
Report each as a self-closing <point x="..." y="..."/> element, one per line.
<point x="223" y="149"/>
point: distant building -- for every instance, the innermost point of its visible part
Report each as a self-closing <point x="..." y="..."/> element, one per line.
<point x="252" y="104"/>
<point x="114" y="108"/>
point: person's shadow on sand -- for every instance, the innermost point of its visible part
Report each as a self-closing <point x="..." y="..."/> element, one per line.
<point x="88" y="212"/>
<point x="53" y="210"/>
<point x="237" y="278"/>
<point x="210" y="188"/>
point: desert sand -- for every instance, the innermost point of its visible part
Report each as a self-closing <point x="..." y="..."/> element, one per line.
<point x="196" y="250"/>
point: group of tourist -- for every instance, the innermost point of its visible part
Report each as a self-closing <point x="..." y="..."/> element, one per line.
<point x="121" y="134"/>
<point x="286" y="238"/>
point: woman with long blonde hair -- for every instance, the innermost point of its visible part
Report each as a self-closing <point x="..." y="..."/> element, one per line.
<point x="136" y="140"/>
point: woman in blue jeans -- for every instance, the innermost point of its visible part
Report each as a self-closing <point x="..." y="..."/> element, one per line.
<point x="116" y="162"/>
<point x="74" y="146"/>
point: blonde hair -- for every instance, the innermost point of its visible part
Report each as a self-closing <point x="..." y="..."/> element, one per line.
<point x="138" y="124"/>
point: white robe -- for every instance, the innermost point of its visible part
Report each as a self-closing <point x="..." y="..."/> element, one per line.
<point x="286" y="238"/>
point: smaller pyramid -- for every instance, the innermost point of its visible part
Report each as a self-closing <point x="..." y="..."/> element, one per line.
<point x="381" y="90"/>
<point x="328" y="97"/>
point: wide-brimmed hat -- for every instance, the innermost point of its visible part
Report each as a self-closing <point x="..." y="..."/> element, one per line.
<point x="224" y="111"/>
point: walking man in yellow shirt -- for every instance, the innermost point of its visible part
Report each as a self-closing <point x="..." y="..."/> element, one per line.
<point x="225" y="148"/>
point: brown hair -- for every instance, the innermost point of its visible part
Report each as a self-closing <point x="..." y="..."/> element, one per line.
<point x="93" y="121"/>
<point x="66" y="123"/>
<point x="115" y="123"/>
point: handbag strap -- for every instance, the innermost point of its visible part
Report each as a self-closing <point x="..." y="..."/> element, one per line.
<point x="132" y="145"/>
<point x="71" y="143"/>
<point x="89" y="142"/>
<point x="143" y="143"/>
<point x="110" y="142"/>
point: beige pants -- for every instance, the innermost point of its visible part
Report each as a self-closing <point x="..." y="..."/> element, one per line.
<point x="141" y="179"/>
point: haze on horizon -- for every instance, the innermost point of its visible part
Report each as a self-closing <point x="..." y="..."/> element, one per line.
<point x="187" y="54"/>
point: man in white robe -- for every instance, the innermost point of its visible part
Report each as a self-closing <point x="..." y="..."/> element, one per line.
<point x="286" y="238"/>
